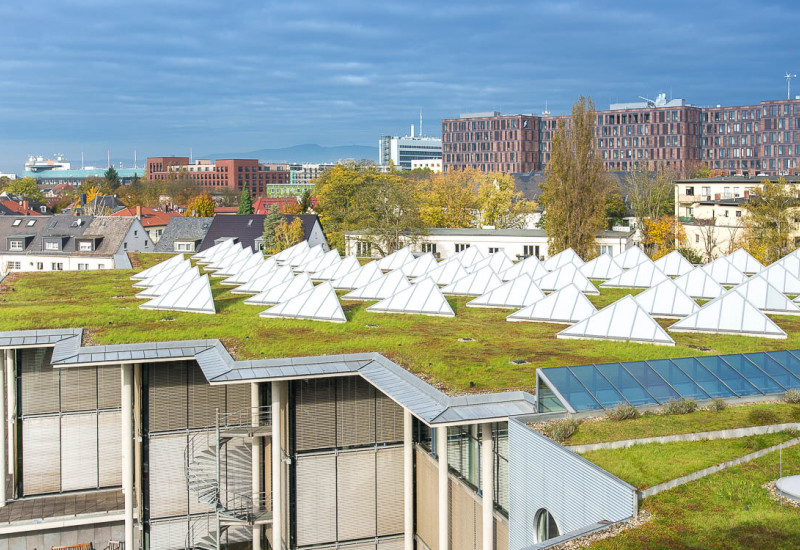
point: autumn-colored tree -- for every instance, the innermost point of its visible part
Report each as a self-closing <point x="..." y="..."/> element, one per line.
<point x="450" y="200"/>
<point x="141" y="192"/>
<point x="92" y="182"/>
<point x="305" y="201"/>
<point x="291" y="208"/>
<point x="663" y="235"/>
<point x="709" y="236"/>
<point x="574" y="194"/>
<point x="181" y="188"/>
<point x="770" y="224"/>
<point x="25" y="187"/>
<point x="287" y="234"/>
<point x="201" y="207"/>
<point x="502" y="206"/>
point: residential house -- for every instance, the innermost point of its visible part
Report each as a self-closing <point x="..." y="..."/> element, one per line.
<point x="183" y="235"/>
<point x="153" y="220"/>
<point x="248" y="230"/>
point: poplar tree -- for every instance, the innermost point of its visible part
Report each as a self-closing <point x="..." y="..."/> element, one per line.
<point x="576" y="187"/>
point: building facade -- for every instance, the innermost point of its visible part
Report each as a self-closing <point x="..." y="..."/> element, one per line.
<point x="400" y="151"/>
<point x="747" y="140"/>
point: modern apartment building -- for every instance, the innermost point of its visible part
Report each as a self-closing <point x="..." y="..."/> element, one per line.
<point x="749" y="139"/>
<point x="233" y="174"/>
<point x="400" y="151"/>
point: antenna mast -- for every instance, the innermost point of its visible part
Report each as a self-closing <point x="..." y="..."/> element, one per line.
<point x="420" y="123"/>
<point x="789" y="77"/>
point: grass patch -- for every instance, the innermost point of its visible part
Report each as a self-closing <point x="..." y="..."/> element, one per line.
<point x="646" y="465"/>
<point x="654" y="425"/>
<point x="425" y="345"/>
<point x="729" y="509"/>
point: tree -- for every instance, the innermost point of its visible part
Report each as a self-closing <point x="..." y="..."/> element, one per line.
<point x="450" y="200"/>
<point x="228" y="197"/>
<point x="182" y="189"/>
<point x="141" y="192"/>
<point x="288" y="234"/>
<point x="112" y="178"/>
<point x="201" y="207"/>
<point x="616" y="209"/>
<point x="93" y="181"/>
<point x="576" y="187"/>
<point x="271" y="222"/>
<point x="769" y="225"/>
<point x="652" y="197"/>
<point x="501" y="205"/>
<point x="387" y="212"/>
<point x="663" y="235"/>
<point x="305" y="201"/>
<point x="245" y="203"/>
<point x="709" y="236"/>
<point x="25" y="187"/>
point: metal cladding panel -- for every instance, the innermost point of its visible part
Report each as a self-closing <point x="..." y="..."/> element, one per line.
<point x="389" y="420"/>
<point x="79" y="389"/>
<point x="543" y="474"/>
<point x="355" y="412"/>
<point x="391" y="544"/>
<point x="389" y="476"/>
<point x="79" y="451"/>
<point x="315" y="414"/>
<point x="168" y="397"/>
<point x="355" y="495"/>
<point x="168" y="493"/>
<point x="465" y="517"/>
<point x="169" y="535"/>
<point x="40" y="455"/>
<point x="109" y="436"/>
<point x="108" y="387"/>
<point x="427" y="493"/>
<point x="316" y="499"/>
<point x="39" y="386"/>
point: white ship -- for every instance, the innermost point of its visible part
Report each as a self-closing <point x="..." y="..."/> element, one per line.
<point x="41" y="164"/>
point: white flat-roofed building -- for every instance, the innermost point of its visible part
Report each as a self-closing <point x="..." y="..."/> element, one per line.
<point x="401" y="151"/>
<point x="434" y="165"/>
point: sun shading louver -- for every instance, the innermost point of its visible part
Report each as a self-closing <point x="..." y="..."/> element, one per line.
<point x="195" y="297"/>
<point x="674" y="264"/>
<point x="731" y="313"/>
<point x="517" y="293"/>
<point x="318" y="304"/>
<point x="568" y="305"/>
<point x="666" y="299"/>
<point x="422" y="298"/>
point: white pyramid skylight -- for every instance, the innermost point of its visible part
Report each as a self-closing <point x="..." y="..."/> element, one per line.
<point x="561" y="259"/>
<point x="266" y="281"/>
<point x="335" y="271"/>
<point x="150" y="271"/>
<point x="498" y="261"/>
<point x="517" y="293"/>
<point x="317" y="304"/>
<point x="447" y="272"/>
<point x="195" y="297"/>
<point x="420" y="266"/>
<point x="791" y="263"/>
<point x="245" y="262"/>
<point x="326" y="260"/>
<point x="207" y="255"/>
<point x="566" y="275"/>
<point x="621" y="320"/>
<point x="467" y="257"/>
<point x="568" y="305"/>
<point x="766" y="297"/>
<point x="396" y="259"/>
<point x="300" y="260"/>
<point x="643" y="275"/>
<point x="674" y="264"/>
<point x="253" y="272"/>
<point x="422" y="298"/>
<point x="699" y="284"/>
<point x="601" y="268"/>
<point x="298" y="249"/>
<point x="476" y="283"/>
<point x="631" y="257"/>
<point x="530" y="266"/>
<point x="179" y="280"/>
<point x="666" y="299"/>
<point x="165" y="274"/>
<point x="779" y="277"/>
<point x="744" y="261"/>
<point x="731" y="313"/>
<point x="359" y="277"/>
<point x="724" y="272"/>
<point x="388" y="285"/>
<point x="229" y="257"/>
<point x="283" y="291"/>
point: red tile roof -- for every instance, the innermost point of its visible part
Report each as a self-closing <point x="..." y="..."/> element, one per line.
<point x="17" y="208"/>
<point x="150" y="216"/>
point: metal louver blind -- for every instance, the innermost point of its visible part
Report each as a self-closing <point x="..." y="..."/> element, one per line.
<point x="79" y="451"/>
<point x="389" y="476"/>
<point x="168" y="535"/>
<point x="167" y="397"/>
<point x="500" y="534"/>
<point x="204" y="399"/>
<point x="79" y="389"/>
<point x="463" y="530"/>
<point x="238" y="398"/>
<point x="40" y="453"/>
<point x="355" y="494"/>
<point x="109" y="436"/>
<point x="391" y="544"/>
<point x="39" y="382"/>
<point x="108" y="388"/>
<point x="316" y="499"/>
<point x="315" y="414"/>
<point x="389" y="420"/>
<point x="427" y="509"/>
<point x="168" y="493"/>
<point x="355" y="412"/>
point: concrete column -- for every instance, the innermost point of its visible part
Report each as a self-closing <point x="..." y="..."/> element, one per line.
<point x="277" y="501"/>
<point x="127" y="451"/>
<point x="3" y="466"/>
<point x="408" y="480"/>
<point x="444" y="500"/>
<point x="487" y="485"/>
<point x="11" y="384"/>
<point x="256" y="463"/>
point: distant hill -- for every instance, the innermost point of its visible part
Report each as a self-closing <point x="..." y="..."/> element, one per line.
<point x="309" y="153"/>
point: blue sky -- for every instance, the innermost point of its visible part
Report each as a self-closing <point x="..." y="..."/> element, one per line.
<point x="238" y="75"/>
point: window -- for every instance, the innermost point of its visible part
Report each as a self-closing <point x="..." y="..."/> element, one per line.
<point x="135" y="232"/>
<point x="30" y="223"/>
<point x="530" y="250"/>
<point x="363" y="248"/>
<point x="125" y="246"/>
<point x="738" y="213"/>
<point x="51" y="245"/>
<point x="83" y="267"/>
<point x="460" y="247"/>
<point x="15" y="245"/>
<point x="57" y="266"/>
<point x="697" y="238"/>
<point x="184" y="247"/>
<point x="545" y="526"/>
<point x="40" y="265"/>
<point x="16" y="223"/>
<point x="494" y="249"/>
<point x="429" y="247"/>
<point x="13" y="265"/>
<point x="85" y="246"/>
<point x="690" y="191"/>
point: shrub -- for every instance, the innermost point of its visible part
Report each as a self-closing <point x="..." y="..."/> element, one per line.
<point x="563" y="429"/>
<point x="762" y="416"/>
<point x="622" y="412"/>
<point x="717" y="405"/>
<point x="684" y="406"/>
<point x="792" y="432"/>
<point x="691" y="255"/>
<point x="792" y="396"/>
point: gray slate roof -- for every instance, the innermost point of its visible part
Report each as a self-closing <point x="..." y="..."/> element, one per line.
<point x="182" y="228"/>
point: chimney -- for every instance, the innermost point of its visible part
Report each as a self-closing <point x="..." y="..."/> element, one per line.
<point x="25" y="206"/>
<point x="138" y="212"/>
<point x="746" y="194"/>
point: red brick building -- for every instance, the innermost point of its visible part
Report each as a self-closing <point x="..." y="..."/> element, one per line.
<point x="234" y="174"/>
